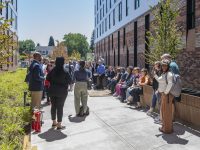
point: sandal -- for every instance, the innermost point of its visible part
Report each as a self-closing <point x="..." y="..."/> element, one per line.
<point x="54" y="125"/>
<point x="61" y="128"/>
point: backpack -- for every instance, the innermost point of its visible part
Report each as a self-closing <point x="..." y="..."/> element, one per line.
<point x="29" y="74"/>
<point x="177" y="85"/>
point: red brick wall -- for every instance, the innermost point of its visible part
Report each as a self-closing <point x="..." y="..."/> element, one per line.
<point x="189" y="58"/>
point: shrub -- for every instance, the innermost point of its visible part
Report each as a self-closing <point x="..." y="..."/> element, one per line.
<point x="13" y="115"/>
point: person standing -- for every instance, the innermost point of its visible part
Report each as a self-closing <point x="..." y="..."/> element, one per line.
<point x="101" y="74"/>
<point x="80" y="89"/>
<point x="156" y="95"/>
<point x="174" y="69"/>
<point x="47" y="83"/>
<point x="164" y="86"/>
<point x="58" y="91"/>
<point x="36" y="81"/>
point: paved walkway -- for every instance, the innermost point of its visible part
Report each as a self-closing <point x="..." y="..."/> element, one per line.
<point x="111" y="125"/>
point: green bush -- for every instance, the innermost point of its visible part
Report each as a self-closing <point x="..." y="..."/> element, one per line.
<point x="13" y="115"/>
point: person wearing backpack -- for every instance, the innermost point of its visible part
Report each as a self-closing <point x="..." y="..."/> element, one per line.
<point x="165" y="83"/>
<point x="35" y="78"/>
<point x="173" y="65"/>
<point x="175" y="70"/>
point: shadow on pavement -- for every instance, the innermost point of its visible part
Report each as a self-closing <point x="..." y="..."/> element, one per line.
<point x="179" y="129"/>
<point x="175" y="138"/>
<point x="52" y="135"/>
<point x="76" y="119"/>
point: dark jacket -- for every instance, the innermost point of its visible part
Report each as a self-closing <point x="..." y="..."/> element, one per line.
<point x="111" y="74"/>
<point x="36" y="77"/>
<point x="124" y="76"/>
<point x="129" y="80"/>
<point x="58" y="83"/>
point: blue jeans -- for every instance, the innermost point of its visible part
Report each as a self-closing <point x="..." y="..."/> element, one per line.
<point x="155" y="98"/>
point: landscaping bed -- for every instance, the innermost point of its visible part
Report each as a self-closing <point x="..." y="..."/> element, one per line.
<point x="14" y="117"/>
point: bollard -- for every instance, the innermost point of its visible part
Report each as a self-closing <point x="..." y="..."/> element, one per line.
<point x="25" y="94"/>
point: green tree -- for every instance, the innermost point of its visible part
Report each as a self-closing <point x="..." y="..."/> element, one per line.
<point x="8" y="42"/>
<point x="166" y="35"/>
<point x="78" y="42"/>
<point x="26" y="46"/>
<point x="92" y="41"/>
<point x="51" y="41"/>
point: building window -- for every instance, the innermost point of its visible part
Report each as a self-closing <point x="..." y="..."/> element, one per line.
<point x="147" y="28"/>
<point x="135" y="43"/>
<point x="11" y="16"/>
<point x="110" y="3"/>
<point x="100" y="2"/>
<point x="120" y="11"/>
<point x="109" y="21"/>
<point x="124" y="39"/>
<point x="127" y="57"/>
<point x="100" y="30"/>
<point x="118" y="48"/>
<point x="137" y="4"/>
<point x="97" y="18"/>
<point x="106" y="6"/>
<point x="1" y="8"/>
<point x="190" y="14"/>
<point x="103" y="11"/>
<point x="100" y="14"/>
<point x="16" y="25"/>
<point x="113" y="17"/>
<point x="7" y="11"/>
<point x="103" y="27"/>
<point x="112" y="41"/>
<point x="97" y="5"/>
<point x="126" y="7"/>
<point x="105" y="24"/>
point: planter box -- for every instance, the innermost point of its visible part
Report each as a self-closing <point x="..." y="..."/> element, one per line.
<point x="187" y="110"/>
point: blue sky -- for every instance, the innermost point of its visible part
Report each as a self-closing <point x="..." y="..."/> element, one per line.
<point x="39" y="19"/>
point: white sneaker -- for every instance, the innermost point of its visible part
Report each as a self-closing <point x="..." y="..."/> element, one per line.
<point x="115" y="95"/>
<point x="150" y="111"/>
<point x="119" y="97"/>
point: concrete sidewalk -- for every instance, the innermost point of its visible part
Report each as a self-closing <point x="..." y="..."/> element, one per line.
<point x="111" y="125"/>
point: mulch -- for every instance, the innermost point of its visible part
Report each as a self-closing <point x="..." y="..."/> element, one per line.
<point x="99" y="93"/>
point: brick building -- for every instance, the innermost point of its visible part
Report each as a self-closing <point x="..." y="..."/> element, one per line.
<point x="120" y="35"/>
<point x="10" y="12"/>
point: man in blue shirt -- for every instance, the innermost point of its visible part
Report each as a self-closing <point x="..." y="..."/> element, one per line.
<point x="101" y="72"/>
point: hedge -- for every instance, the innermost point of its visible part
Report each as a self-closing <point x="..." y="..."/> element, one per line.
<point x="14" y="117"/>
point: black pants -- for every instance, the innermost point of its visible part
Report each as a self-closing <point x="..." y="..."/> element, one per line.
<point x="123" y="92"/>
<point x="47" y="93"/>
<point x="57" y="104"/>
<point x="135" y="93"/>
<point x="101" y="77"/>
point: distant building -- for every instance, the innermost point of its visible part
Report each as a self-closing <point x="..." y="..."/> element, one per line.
<point x="45" y="51"/>
<point x="120" y="32"/>
<point x="10" y="12"/>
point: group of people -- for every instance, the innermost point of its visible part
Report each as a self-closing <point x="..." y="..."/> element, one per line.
<point x="126" y="84"/>
<point x="56" y="79"/>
